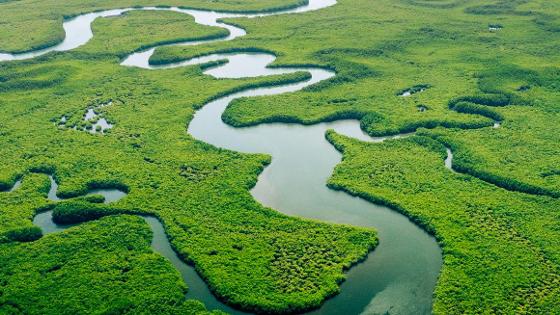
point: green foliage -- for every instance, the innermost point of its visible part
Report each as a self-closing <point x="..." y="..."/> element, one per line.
<point x="106" y="266"/>
<point x="35" y="78"/>
<point x="500" y="7"/>
<point x="25" y="234"/>
<point x="199" y="192"/>
<point x="163" y="58"/>
<point x="76" y="212"/>
<point x="474" y="82"/>
<point x="112" y="35"/>
<point x="500" y="247"/>
<point x="489" y="236"/>
<point x="27" y="26"/>
<point x="18" y="207"/>
<point x="502" y="155"/>
<point x="94" y="198"/>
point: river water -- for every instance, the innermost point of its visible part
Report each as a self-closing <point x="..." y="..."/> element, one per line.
<point x="397" y="278"/>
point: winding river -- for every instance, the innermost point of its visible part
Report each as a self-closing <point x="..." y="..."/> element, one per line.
<point x="400" y="275"/>
<point x="397" y="278"/>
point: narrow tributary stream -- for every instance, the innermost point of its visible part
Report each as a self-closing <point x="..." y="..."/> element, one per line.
<point x="397" y="278"/>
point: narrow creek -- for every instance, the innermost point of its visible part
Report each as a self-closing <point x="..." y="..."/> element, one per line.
<point x="398" y="277"/>
<point x="160" y="243"/>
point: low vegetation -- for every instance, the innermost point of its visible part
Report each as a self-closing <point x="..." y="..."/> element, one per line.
<point x="497" y="224"/>
<point x="111" y="257"/>
<point x="488" y="235"/>
<point x="251" y="256"/>
<point x="39" y="25"/>
<point x="112" y="35"/>
<point x="477" y="76"/>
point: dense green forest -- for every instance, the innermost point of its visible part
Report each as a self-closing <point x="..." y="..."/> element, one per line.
<point x="199" y="192"/>
<point x="501" y="248"/>
<point x="70" y="273"/>
<point x="468" y="64"/>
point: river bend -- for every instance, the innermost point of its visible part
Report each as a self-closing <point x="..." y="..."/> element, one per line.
<point x="398" y="277"/>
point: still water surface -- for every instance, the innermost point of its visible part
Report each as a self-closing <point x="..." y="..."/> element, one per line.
<point x="397" y="278"/>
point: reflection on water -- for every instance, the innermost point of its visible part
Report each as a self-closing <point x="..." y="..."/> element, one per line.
<point x="398" y="277"/>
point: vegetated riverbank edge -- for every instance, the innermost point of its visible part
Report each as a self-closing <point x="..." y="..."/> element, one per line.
<point x="503" y="113"/>
<point x="61" y="35"/>
<point x="68" y="213"/>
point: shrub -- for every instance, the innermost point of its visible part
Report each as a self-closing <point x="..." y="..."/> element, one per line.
<point x="25" y="234"/>
<point x="79" y="211"/>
